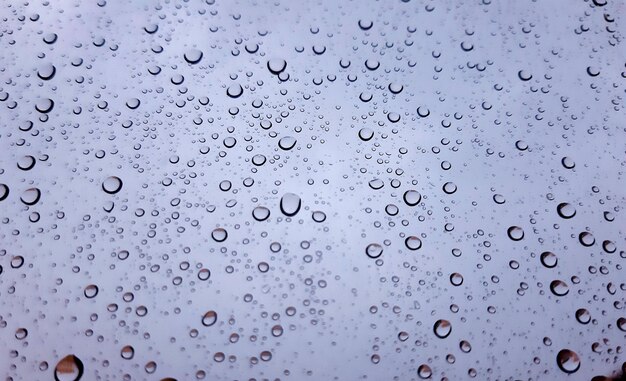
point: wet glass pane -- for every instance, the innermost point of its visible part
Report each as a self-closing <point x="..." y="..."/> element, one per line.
<point x="327" y="190"/>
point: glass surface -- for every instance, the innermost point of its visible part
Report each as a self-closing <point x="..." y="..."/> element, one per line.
<point x="325" y="190"/>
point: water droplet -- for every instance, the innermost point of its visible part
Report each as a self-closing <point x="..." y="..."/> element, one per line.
<point x="372" y="64"/>
<point x="260" y="213"/>
<point x="366" y="24"/>
<point x="515" y="233"/>
<point x="30" y="196"/>
<point x="559" y="288"/>
<point x="586" y="239"/>
<point x="568" y="361"/>
<point x="46" y="71"/>
<point x="395" y="88"/>
<point x="413" y="242"/>
<point x="219" y="235"/>
<point x="112" y="184"/>
<point x="318" y="216"/>
<point x="549" y="259"/>
<point x="412" y="197"/>
<point x="290" y="204"/>
<point x="91" y="291"/>
<point x="376" y="184"/>
<point x="69" y="368"/>
<point x="277" y="330"/>
<point x="287" y="142"/>
<point x="127" y="352"/>
<point x="276" y="65"/>
<point x="209" y="318"/>
<point x="524" y="75"/>
<point x="424" y="372"/>
<point x="374" y="250"/>
<point x="234" y="91"/>
<point x="566" y="210"/>
<point x="366" y="134"/>
<point x="583" y="316"/>
<point x="449" y="188"/>
<point x="442" y="328"/>
<point x="193" y="56"/>
<point x="456" y="279"/>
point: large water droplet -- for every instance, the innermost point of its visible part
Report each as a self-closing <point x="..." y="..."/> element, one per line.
<point x="559" y="288"/>
<point x="412" y="197"/>
<point x="442" y="328"/>
<point x="234" y="91"/>
<point x="276" y="65"/>
<point x="566" y="210"/>
<point x="515" y="233"/>
<point x="31" y="196"/>
<point x="374" y="250"/>
<point x="568" y="361"/>
<point x="69" y="368"/>
<point x="193" y="56"/>
<point x="112" y="184"/>
<point x="290" y="204"/>
<point x="209" y="318"/>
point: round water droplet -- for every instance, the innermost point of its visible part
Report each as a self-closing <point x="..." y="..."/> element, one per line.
<point x="277" y="330"/>
<point x="31" y="196"/>
<point x="442" y="328"/>
<point x="396" y="88"/>
<point x="366" y="134"/>
<point x="372" y="64"/>
<point x="586" y="239"/>
<point x="376" y="184"/>
<point x="91" y="291"/>
<point x="549" y="259"/>
<point x="26" y="163"/>
<point x="44" y="105"/>
<point x="219" y="235"/>
<point x="498" y="199"/>
<point x="568" y="163"/>
<point x="365" y="24"/>
<point x="412" y="197"/>
<point x="112" y="184"/>
<point x="133" y="103"/>
<point x="403" y="336"/>
<point x="290" y="204"/>
<point x="209" y="318"/>
<point x="234" y="91"/>
<point x="424" y="372"/>
<point x="46" y="71"/>
<point x="568" y="361"/>
<point x="260" y="213"/>
<point x="374" y="250"/>
<point x="423" y="111"/>
<point x="287" y="142"/>
<point x="258" y="159"/>
<point x="276" y="65"/>
<point x="193" y="56"/>
<point x="413" y="242"/>
<point x="127" y="352"/>
<point x="69" y="368"/>
<point x="515" y="233"/>
<point x="456" y="279"/>
<point x="319" y="216"/>
<point x="524" y="75"/>
<point x="566" y="210"/>
<point x="583" y="316"/>
<point x="559" y="288"/>
<point x="449" y="188"/>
